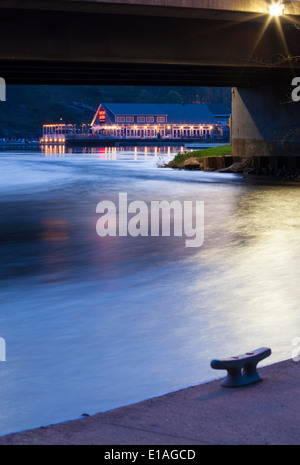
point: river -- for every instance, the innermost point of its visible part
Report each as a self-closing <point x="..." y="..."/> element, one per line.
<point x="95" y="323"/>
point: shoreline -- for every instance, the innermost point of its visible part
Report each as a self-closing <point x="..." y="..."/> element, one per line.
<point x="265" y="179"/>
<point x="103" y="412"/>
<point x="267" y="412"/>
<point x="246" y="167"/>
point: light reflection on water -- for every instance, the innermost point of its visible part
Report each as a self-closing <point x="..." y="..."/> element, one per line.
<point x="91" y="324"/>
<point x="112" y="153"/>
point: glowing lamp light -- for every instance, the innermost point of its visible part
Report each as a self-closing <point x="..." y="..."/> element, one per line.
<point x="276" y="9"/>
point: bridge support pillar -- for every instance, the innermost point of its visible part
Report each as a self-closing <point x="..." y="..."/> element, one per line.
<point x="266" y="124"/>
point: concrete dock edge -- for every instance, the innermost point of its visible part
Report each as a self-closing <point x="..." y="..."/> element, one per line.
<point x="207" y="414"/>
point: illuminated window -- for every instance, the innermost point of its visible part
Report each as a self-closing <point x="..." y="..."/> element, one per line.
<point x="120" y="119"/>
<point x="129" y="119"/>
<point x="150" y="119"/>
<point x="160" y="119"/>
<point x="141" y="119"/>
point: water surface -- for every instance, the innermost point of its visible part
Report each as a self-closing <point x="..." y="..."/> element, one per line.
<point x="94" y="323"/>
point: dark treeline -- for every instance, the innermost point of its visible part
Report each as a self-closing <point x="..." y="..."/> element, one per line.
<point x="27" y="108"/>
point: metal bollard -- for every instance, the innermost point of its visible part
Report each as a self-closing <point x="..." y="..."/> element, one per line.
<point x="241" y="370"/>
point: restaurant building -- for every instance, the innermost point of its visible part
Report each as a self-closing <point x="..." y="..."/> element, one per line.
<point x="146" y="121"/>
<point x="160" y="121"/>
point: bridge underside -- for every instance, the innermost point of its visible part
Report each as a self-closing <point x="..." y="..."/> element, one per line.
<point x="147" y="74"/>
<point x="118" y="44"/>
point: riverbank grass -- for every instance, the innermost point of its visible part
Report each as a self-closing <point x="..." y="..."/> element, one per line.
<point x="180" y="158"/>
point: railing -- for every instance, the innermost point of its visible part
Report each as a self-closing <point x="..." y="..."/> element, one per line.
<point x="101" y="137"/>
<point x="124" y="137"/>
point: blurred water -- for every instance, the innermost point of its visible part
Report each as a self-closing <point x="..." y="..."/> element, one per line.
<point x="94" y="323"/>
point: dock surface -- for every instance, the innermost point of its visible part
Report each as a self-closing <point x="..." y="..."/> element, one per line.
<point x="264" y="413"/>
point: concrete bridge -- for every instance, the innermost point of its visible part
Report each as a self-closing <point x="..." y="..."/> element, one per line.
<point x="234" y="43"/>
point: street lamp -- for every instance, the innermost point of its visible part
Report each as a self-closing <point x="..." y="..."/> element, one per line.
<point x="276" y="9"/>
